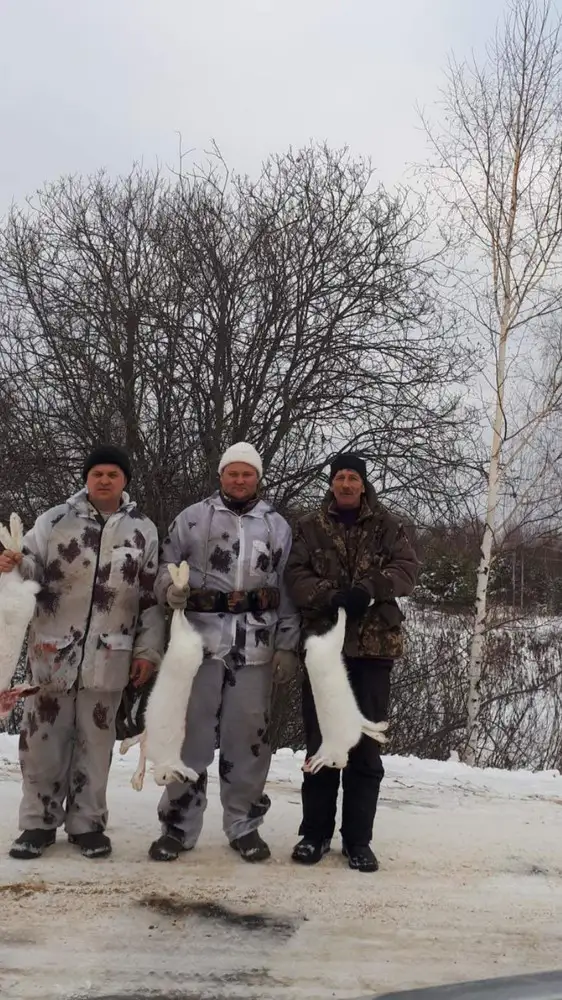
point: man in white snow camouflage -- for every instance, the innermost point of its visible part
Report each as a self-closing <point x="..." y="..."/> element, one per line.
<point x="96" y="625"/>
<point x="237" y="546"/>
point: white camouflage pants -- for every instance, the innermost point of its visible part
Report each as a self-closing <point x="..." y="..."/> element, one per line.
<point x="66" y="743"/>
<point x="231" y="706"/>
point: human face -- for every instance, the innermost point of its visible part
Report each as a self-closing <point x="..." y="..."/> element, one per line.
<point x="239" y="481"/>
<point x="105" y="484"/>
<point x="348" y="488"/>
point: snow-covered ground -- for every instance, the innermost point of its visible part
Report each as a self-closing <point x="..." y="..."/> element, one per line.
<point x="470" y="886"/>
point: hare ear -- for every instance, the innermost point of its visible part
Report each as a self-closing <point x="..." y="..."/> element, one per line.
<point x="5" y="537"/>
<point x="16" y="531"/>
<point x="184" y="574"/>
<point x="179" y="575"/>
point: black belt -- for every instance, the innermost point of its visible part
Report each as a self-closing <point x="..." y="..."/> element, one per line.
<point x="233" y="602"/>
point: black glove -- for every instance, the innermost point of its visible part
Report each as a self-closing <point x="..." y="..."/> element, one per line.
<point x="382" y="586"/>
<point x="390" y="614"/>
<point x="354" y="601"/>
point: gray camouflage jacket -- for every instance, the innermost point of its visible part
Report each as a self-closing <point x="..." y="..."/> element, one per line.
<point x="226" y="552"/>
<point x="96" y="610"/>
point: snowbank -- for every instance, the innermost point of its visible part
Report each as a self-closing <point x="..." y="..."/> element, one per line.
<point x="406" y="771"/>
<point x="469" y="887"/>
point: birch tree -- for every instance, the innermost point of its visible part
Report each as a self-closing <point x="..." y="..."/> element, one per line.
<point x="497" y="164"/>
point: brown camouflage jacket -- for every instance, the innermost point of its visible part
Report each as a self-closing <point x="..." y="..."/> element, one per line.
<point x="326" y="557"/>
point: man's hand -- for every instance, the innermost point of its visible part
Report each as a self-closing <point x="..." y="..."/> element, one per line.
<point x="354" y="601"/>
<point x="177" y="597"/>
<point x="141" y="672"/>
<point x="285" y="666"/>
<point x="9" y="560"/>
<point x="10" y="698"/>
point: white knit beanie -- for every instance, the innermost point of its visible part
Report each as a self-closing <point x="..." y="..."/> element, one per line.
<point x="242" y="452"/>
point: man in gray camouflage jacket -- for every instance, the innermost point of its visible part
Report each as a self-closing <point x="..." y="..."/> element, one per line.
<point x="96" y="625"/>
<point x="237" y="546"/>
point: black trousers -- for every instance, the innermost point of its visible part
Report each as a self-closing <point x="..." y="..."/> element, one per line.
<point x="361" y="779"/>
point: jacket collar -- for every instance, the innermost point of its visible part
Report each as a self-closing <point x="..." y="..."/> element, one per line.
<point x="81" y="504"/>
<point x="261" y="508"/>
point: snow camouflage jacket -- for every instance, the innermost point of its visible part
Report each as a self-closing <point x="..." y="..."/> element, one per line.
<point x="231" y="552"/>
<point x="326" y="557"/>
<point x="96" y="610"/>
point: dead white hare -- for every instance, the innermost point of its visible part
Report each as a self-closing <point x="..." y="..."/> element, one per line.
<point x="17" y="604"/>
<point x="341" y="723"/>
<point x="164" y="733"/>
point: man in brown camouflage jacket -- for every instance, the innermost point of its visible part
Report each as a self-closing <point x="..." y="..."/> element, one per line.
<point x="354" y="554"/>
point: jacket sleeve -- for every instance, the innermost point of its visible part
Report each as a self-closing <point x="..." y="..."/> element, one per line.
<point x="151" y="625"/>
<point x="307" y="590"/>
<point x="35" y="546"/>
<point x="289" y="622"/>
<point x="398" y="576"/>
<point x="175" y="548"/>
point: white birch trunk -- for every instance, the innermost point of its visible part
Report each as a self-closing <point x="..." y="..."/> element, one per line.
<point x="501" y="253"/>
<point x="500" y="156"/>
<point x="477" y="645"/>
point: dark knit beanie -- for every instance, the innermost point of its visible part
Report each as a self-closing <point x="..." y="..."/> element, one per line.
<point x="348" y="460"/>
<point x="108" y="454"/>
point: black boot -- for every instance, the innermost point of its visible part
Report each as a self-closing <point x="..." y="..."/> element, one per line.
<point x="92" y="845"/>
<point x="360" y="857"/>
<point x="310" y="852"/>
<point x="166" y="848"/>
<point x="251" y="847"/>
<point x="31" y="843"/>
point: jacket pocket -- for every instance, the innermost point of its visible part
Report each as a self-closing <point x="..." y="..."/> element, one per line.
<point x="125" y="566"/>
<point x="49" y="656"/>
<point x="260" y="560"/>
<point x="378" y="633"/>
<point x="326" y="564"/>
<point x="319" y="562"/>
<point x="112" y="662"/>
<point x="260" y="636"/>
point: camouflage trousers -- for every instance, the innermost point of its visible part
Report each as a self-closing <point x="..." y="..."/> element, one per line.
<point x="229" y="707"/>
<point x="66" y="743"/>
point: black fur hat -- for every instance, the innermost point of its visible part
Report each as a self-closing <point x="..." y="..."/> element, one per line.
<point x="348" y="460"/>
<point x="108" y="454"/>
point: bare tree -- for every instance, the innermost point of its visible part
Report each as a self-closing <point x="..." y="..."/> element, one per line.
<point x="498" y="167"/>
<point x="176" y="315"/>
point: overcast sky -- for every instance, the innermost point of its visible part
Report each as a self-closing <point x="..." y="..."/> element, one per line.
<point x="92" y="83"/>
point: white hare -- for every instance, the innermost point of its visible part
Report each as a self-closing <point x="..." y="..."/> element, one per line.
<point x="17" y="604"/>
<point x="341" y="723"/>
<point x="164" y="721"/>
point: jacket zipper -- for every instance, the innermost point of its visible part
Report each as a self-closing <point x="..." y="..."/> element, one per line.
<point x="102" y="524"/>
<point x="347" y="539"/>
<point x="347" y="565"/>
<point x="239" y="567"/>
